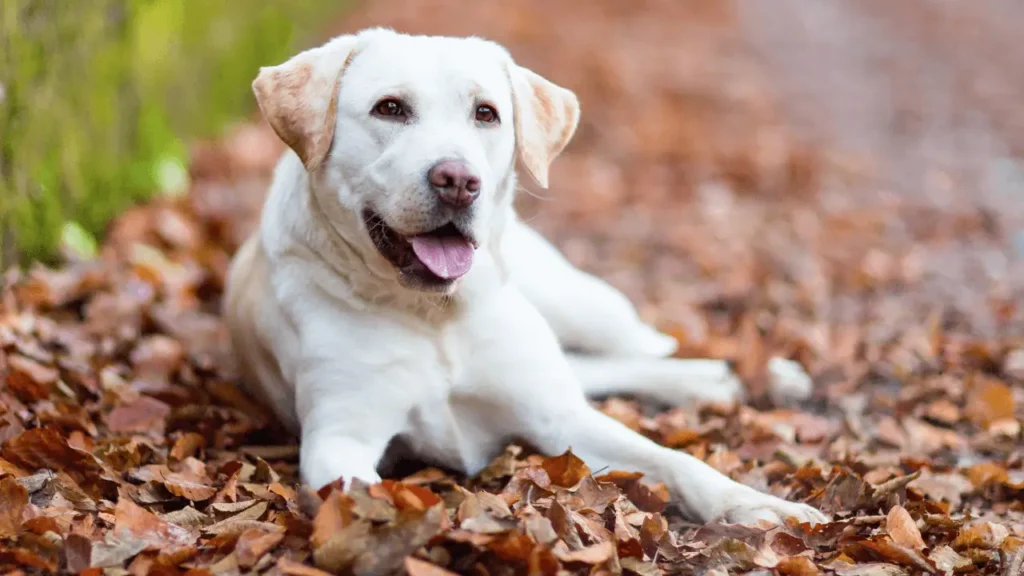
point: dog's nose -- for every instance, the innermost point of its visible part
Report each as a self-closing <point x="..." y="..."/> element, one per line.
<point x="456" y="183"/>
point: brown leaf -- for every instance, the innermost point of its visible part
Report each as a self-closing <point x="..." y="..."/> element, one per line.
<point x="866" y="569"/>
<point x="984" y="473"/>
<point x="417" y="567"/>
<point x="538" y="527"/>
<point x="797" y="566"/>
<point x="334" y="515"/>
<point x="157" y="356"/>
<point x="596" y="554"/>
<point x="988" y="400"/>
<point x="233" y="524"/>
<point x="292" y="568"/>
<point x="565" y="470"/>
<point x="188" y="486"/>
<point x="143" y="415"/>
<point x="77" y="552"/>
<point x="844" y="493"/>
<point x="640" y="568"/>
<point x="943" y="411"/>
<point x="147" y="527"/>
<point x="986" y="535"/>
<point x="596" y="495"/>
<point x="45" y="448"/>
<point x="643" y="496"/>
<point x="564" y="526"/>
<point x="884" y="549"/>
<point x="410" y="496"/>
<point x="253" y="544"/>
<point x="902" y="528"/>
<point x="503" y="466"/>
<point x="513" y="548"/>
<point x="383" y="550"/>
<point x="474" y="517"/>
<point x="30" y="380"/>
<point x="13" y="499"/>
<point x="188" y="518"/>
<point x="946" y="559"/>
<point x="188" y="444"/>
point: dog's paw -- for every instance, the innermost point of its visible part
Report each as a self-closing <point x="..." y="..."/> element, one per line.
<point x="726" y="390"/>
<point x="788" y="380"/>
<point x="754" y="507"/>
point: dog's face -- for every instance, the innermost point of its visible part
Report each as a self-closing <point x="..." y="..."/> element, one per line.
<point x="417" y="136"/>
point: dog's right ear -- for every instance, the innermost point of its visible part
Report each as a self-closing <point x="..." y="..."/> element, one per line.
<point x="300" y="97"/>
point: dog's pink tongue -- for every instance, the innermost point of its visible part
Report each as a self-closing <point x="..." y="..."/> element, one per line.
<point x="448" y="256"/>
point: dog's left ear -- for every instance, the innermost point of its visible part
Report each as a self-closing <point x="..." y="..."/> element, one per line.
<point x="299" y="98"/>
<point x="546" y="116"/>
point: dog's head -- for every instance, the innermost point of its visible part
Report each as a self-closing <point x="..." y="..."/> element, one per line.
<point x="417" y="137"/>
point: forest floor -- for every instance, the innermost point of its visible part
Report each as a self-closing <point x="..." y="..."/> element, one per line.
<point x="126" y="447"/>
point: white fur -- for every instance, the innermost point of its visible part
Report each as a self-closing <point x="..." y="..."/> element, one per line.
<point x="351" y="358"/>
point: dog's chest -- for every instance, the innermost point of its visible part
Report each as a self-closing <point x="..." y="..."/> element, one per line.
<point x="453" y="422"/>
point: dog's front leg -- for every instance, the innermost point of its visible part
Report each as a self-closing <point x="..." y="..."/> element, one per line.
<point x="526" y="387"/>
<point x="358" y="379"/>
<point x="339" y="439"/>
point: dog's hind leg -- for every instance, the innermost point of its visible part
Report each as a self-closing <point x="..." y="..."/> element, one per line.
<point x="619" y="353"/>
<point x="678" y="381"/>
<point x="586" y="313"/>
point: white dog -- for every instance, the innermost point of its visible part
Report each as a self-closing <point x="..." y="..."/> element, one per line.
<point x="391" y="291"/>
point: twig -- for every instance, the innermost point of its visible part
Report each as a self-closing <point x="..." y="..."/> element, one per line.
<point x="886" y="488"/>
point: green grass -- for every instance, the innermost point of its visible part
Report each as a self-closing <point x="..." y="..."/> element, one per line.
<point x="99" y="96"/>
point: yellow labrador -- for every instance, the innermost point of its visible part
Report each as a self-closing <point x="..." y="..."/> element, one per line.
<point x="391" y="291"/>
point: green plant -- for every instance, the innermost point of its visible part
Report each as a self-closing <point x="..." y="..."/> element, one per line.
<point x="97" y="97"/>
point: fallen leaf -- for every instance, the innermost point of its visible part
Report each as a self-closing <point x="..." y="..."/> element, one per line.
<point x="30" y="380"/>
<point x="143" y="415"/>
<point x="797" y="566"/>
<point x="187" y="445"/>
<point x="566" y="470"/>
<point x="985" y="473"/>
<point x="947" y="560"/>
<point x="147" y="527"/>
<point x="292" y="568"/>
<point x="13" y="500"/>
<point x="596" y="554"/>
<point x="988" y="400"/>
<point x="45" y="448"/>
<point x="982" y="534"/>
<point x="254" y="544"/>
<point x="417" y="567"/>
<point x="902" y="528"/>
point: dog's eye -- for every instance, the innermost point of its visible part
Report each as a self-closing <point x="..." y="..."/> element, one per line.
<point x="389" y="107"/>
<point x="486" y="114"/>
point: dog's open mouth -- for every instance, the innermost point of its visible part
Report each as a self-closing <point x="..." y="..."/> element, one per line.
<point x="431" y="260"/>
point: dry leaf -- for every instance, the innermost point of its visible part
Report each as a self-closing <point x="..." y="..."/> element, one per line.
<point x="797" y="566"/>
<point x="988" y="400"/>
<point x="13" y="499"/>
<point x="416" y="567"/>
<point x="986" y="535"/>
<point x="566" y="470"/>
<point x="253" y="544"/>
<point x="143" y="415"/>
<point x="902" y="528"/>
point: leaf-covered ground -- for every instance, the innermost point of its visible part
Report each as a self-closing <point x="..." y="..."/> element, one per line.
<point x="125" y="445"/>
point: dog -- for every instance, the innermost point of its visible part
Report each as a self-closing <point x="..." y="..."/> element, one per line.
<point x="391" y="291"/>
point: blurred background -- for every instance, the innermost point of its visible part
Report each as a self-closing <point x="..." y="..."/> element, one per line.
<point x="829" y="163"/>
